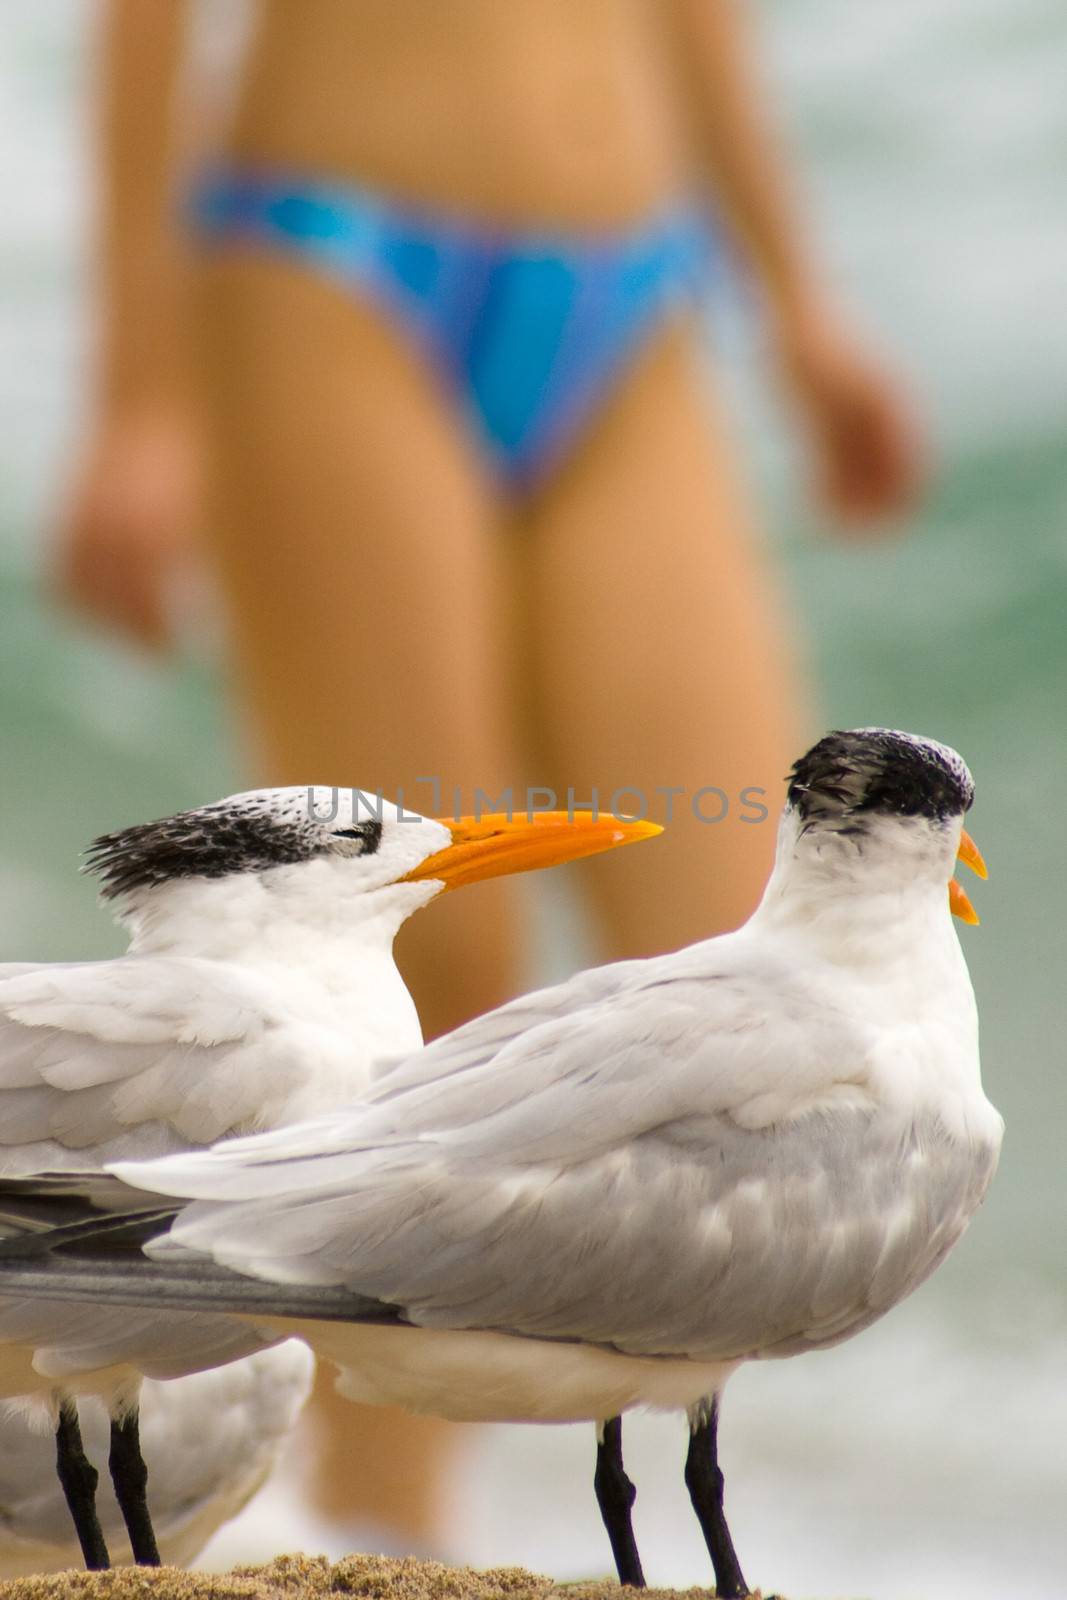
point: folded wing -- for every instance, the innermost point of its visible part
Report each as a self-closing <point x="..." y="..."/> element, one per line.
<point x="641" y="1159"/>
<point x="140" y="1055"/>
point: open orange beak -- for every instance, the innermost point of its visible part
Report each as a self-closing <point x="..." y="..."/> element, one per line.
<point x="496" y="843"/>
<point x="971" y="856"/>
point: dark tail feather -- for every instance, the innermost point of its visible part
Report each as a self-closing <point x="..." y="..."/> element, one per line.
<point x="81" y="1238"/>
<point x="183" y="1286"/>
<point x="50" y="1200"/>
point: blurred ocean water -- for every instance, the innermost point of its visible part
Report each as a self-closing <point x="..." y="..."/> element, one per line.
<point x="927" y="1459"/>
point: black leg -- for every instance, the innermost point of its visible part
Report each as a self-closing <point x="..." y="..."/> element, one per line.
<point x="703" y="1479"/>
<point x="78" y="1477"/>
<point x="615" y="1496"/>
<point x="129" y="1475"/>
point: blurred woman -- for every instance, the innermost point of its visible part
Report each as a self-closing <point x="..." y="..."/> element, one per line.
<point x="474" y="509"/>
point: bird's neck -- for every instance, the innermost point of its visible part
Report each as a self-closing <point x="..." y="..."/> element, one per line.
<point x="870" y="927"/>
<point x="872" y="900"/>
<point x="327" y="959"/>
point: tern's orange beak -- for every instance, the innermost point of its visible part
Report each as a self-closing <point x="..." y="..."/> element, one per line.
<point x="971" y="856"/>
<point x="496" y="843"/>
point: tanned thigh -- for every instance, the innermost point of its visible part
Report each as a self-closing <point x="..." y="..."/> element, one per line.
<point x="659" y="655"/>
<point x="358" y="541"/>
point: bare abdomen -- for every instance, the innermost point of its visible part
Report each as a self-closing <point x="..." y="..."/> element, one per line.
<point x="537" y="111"/>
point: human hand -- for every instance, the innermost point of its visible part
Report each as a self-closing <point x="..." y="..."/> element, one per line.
<point x="127" y="530"/>
<point x="863" y="430"/>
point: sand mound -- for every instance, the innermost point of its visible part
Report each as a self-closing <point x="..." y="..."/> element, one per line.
<point x="311" y="1577"/>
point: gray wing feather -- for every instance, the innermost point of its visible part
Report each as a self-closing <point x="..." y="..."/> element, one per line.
<point x="73" y="1337"/>
<point x="139" y="1056"/>
<point x="607" y="1135"/>
<point x="660" y="1253"/>
<point x="94" y="1052"/>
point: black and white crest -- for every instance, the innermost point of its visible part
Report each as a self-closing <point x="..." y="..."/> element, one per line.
<point x="878" y="771"/>
<point x="245" y="833"/>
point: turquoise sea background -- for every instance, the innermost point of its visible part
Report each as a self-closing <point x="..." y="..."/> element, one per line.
<point x="929" y="1458"/>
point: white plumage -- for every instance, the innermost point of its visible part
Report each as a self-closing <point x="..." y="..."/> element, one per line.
<point x="259" y="988"/>
<point x="246" y="1000"/>
<point x="752" y="1147"/>
<point x="613" y="1192"/>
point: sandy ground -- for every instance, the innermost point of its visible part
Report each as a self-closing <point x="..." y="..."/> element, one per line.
<point x="307" y="1578"/>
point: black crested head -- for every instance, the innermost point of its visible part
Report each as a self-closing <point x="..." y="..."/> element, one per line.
<point x="856" y="773"/>
<point x="245" y="833"/>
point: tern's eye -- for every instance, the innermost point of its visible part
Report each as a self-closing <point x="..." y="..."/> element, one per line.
<point x="367" y="835"/>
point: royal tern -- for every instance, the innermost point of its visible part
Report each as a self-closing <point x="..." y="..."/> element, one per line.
<point x="613" y="1192"/>
<point x="210" y="1441"/>
<point x="258" y="989"/>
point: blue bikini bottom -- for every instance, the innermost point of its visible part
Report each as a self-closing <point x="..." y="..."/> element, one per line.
<point x="530" y="328"/>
